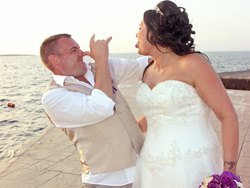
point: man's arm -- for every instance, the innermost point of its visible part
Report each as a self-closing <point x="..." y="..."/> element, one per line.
<point x="99" y="52"/>
<point x="125" y="71"/>
<point x="75" y="109"/>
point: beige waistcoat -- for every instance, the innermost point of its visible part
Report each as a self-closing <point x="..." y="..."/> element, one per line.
<point x="109" y="145"/>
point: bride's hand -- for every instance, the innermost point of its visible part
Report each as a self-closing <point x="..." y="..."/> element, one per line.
<point x="142" y="122"/>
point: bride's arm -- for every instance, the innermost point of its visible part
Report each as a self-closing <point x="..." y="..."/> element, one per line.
<point x="211" y="90"/>
<point x="142" y="122"/>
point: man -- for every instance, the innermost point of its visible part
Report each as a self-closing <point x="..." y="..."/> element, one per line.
<point x="83" y="100"/>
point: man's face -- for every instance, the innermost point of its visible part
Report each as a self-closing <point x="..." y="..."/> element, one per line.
<point x="70" y="57"/>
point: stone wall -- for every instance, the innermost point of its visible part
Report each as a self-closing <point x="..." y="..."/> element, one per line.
<point x="236" y="83"/>
<point x="239" y="80"/>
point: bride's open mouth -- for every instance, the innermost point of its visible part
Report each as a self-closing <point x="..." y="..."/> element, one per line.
<point x="137" y="44"/>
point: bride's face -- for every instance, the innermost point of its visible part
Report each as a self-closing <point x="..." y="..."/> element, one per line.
<point x="143" y="45"/>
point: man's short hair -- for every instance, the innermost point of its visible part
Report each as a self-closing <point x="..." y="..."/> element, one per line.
<point x="49" y="47"/>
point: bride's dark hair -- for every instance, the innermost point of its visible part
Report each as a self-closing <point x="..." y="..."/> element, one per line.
<point x="170" y="27"/>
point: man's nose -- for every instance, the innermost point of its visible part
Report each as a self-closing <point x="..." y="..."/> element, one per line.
<point x="81" y="53"/>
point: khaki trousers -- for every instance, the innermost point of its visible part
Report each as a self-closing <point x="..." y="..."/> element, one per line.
<point x="105" y="186"/>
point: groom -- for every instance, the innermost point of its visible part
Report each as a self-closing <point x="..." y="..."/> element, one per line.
<point x="83" y="99"/>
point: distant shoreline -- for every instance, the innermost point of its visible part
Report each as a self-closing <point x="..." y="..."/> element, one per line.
<point x="17" y="55"/>
<point x="116" y="53"/>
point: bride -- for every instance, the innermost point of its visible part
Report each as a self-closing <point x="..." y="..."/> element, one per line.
<point x="179" y="89"/>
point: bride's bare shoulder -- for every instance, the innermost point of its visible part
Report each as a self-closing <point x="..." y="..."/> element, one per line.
<point x="195" y="61"/>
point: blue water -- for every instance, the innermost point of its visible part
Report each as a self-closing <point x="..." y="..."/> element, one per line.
<point x="229" y="61"/>
<point x="24" y="78"/>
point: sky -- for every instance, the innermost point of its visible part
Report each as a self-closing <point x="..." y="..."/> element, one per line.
<point x="220" y="25"/>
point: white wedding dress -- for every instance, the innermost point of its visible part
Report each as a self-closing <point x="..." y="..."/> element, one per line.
<point x="181" y="147"/>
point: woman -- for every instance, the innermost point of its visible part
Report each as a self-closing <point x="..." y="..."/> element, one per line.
<point x="179" y="89"/>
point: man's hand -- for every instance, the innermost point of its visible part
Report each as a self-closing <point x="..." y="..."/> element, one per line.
<point x="98" y="49"/>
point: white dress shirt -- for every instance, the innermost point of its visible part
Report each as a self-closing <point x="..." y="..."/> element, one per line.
<point x="69" y="109"/>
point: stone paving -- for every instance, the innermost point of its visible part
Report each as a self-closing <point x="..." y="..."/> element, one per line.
<point x="51" y="160"/>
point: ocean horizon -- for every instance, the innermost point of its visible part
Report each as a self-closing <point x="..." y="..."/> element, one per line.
<point x="24" y="79"/>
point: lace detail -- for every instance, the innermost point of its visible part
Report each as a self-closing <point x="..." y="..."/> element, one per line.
<point x="155" y="126"/>
<point x="183" y="100"/>
<point x="157" y="162"/>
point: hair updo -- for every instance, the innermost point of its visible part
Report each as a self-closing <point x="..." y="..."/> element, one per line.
<point x="169" y="28"/>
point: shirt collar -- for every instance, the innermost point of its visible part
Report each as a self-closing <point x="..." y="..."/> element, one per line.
<point x="59" y="79"/>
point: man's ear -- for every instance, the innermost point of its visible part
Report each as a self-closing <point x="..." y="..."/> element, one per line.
<point x="54" y="60"/>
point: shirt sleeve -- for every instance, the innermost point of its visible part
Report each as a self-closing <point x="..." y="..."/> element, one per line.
<point x="126" y="71"/>
<point x="74" y="109"/>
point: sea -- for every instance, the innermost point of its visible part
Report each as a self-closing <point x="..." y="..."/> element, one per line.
<point x="24" y="79"/>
